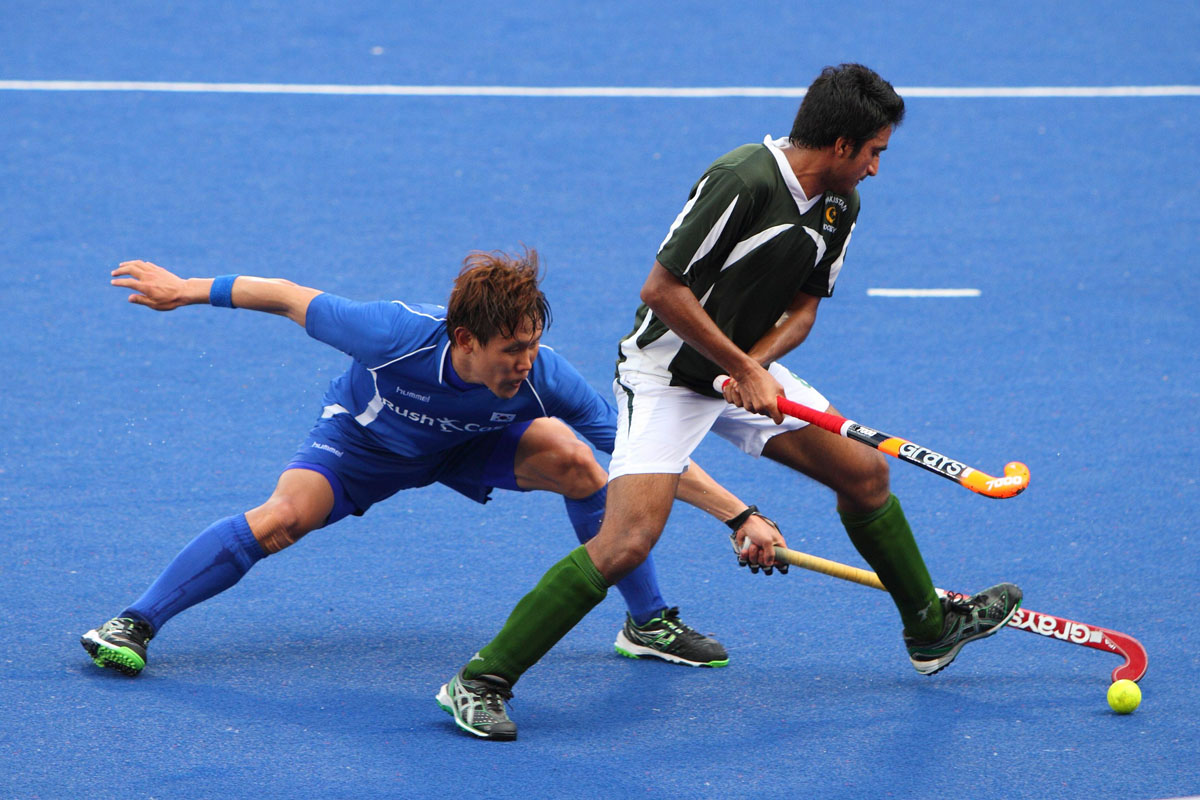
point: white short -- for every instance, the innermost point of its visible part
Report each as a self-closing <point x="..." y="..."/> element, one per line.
<point x="658" y="425"/>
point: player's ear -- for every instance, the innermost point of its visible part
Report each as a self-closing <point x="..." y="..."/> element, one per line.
<point x="463" y="339"/>
<point x="843" y="147"/>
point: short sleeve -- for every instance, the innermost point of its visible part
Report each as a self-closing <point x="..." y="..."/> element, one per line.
<point x="368" y="332"/>
<point x="708" y="227"/>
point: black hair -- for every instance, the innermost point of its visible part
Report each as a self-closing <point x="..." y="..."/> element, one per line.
<point x="848" y="101"/>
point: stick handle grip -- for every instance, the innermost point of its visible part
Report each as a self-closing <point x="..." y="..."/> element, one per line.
<point x="830" y="422"/>
<point x="822" y="419"/>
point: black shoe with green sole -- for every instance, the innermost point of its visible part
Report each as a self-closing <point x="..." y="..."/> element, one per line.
<point x="119" y="644"/>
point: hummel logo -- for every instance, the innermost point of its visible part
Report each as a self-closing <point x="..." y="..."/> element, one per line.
<point x="424" y="398"/>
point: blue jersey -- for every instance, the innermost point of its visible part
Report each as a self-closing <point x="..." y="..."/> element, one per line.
<point x="397" y="387"/>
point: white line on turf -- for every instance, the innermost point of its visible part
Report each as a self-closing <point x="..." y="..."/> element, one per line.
<point x="924" y="292"/>
<point x="582" y="91"/>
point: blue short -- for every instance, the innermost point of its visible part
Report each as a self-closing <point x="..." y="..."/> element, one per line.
<point x="361" y="474"/>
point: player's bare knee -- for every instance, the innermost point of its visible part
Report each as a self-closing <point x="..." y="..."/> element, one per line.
<point x="617" y="554"/>
<point x="878" y="480"/>
<point x="869" y="484"/>
<point x="629" y="556"/>
<point x="277" y="524"/>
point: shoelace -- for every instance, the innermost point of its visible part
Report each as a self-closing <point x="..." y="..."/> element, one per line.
<point x="966" y="606"/>
<point x="130" y="627"/>
<point x="671" y="620"/>
<point x="962" y="603"/>
<point x="493" y="697"/>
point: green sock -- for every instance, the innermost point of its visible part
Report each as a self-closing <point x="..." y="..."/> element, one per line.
<point x="884" y="539"/>
<point x="564" y="596"/>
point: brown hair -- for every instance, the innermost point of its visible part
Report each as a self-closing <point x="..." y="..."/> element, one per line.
<point x="495" y="293"/>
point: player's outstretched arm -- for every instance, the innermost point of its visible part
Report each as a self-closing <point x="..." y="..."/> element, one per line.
<point x="163" y="290"/>
<point x="755" y="537"/>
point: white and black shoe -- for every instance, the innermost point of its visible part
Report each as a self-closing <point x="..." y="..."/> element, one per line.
<point x="966" y="619"/>
<point x="671" y="639"/>
<point x="477" y="706"/>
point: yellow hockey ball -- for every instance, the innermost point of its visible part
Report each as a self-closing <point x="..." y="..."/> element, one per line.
<point x="1124" y="696"/>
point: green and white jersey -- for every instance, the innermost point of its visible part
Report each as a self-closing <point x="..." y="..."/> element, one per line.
<point x="746" y="243"/>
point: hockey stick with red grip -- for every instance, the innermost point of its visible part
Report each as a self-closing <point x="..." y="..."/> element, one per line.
<point x="1016" y="474"/>
<point x="1093" y="636"/>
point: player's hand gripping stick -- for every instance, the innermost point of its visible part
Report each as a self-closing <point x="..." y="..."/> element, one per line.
<point x="1016" y="474"/>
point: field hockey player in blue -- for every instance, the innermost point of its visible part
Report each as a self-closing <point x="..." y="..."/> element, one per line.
<point x="460" y="395"/>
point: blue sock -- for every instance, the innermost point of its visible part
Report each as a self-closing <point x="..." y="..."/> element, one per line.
<point x="210" y="564"/>
<point x="640" y="587"/>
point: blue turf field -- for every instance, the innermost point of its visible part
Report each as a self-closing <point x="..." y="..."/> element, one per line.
<point x="127" y="432"/>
